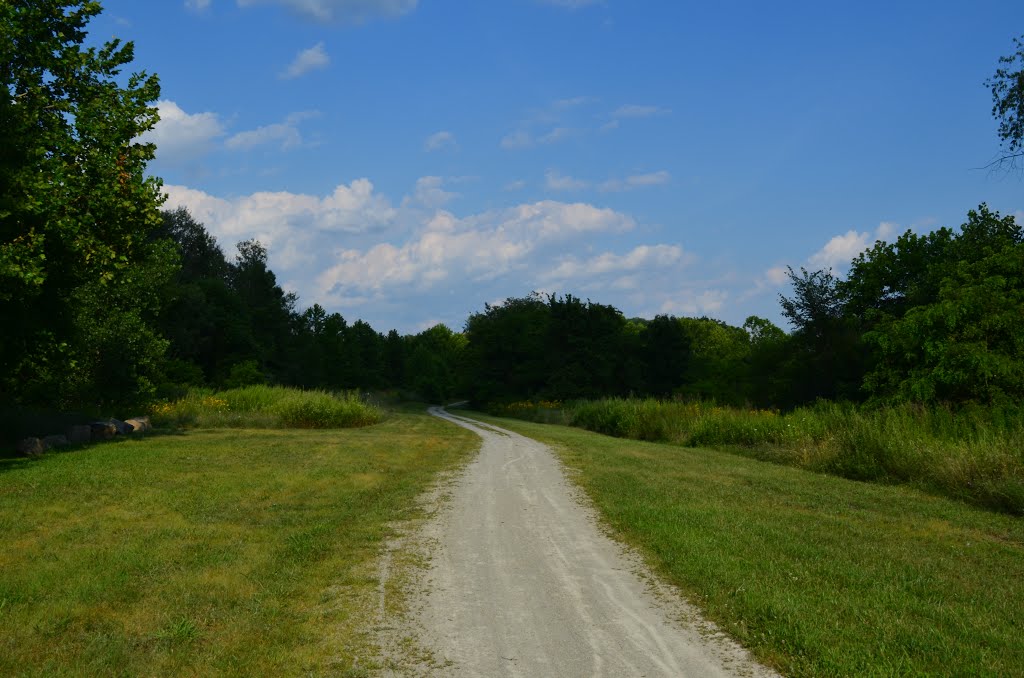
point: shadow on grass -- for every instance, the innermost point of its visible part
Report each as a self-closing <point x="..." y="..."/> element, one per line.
<point x="10" y="460"/>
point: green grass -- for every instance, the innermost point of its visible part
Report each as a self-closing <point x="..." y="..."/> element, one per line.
<point x="977" y="457"/>
<point x="266" y="407"/>
<point x="214" y="552"/>
<point x="818" y="575"/>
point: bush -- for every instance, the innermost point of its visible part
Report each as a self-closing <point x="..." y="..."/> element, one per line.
<point x="264" y="406"/>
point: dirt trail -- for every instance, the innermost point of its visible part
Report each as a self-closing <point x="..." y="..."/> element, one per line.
<point x="523" y="583"/>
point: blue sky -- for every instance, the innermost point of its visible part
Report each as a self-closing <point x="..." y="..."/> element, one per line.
<point x="407" y="161"/>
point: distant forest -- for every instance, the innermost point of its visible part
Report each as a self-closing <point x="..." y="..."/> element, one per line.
<point x="933" y="319"/>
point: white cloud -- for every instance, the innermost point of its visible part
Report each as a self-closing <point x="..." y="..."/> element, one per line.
<point x="516" y="140"/>
<point x="346" y="11"/>
<point x="429" y="193"/>
<point x="555" y="181"/>
<point x="524" y="139"/>
<point x="636" y="181"/>
<point x="777" y="275"/>
<point x="694" y="302"/>
<point x="197" y="5"/>
<point x="307" y="60"/>
<point x="285" y="135"/>
<point x="180" y="136"/>
<point x="281" y="218"/>
<point x="397" y="263"/>
<point x="641" y="258"/>
<point x="886" y="230"/>
<point x="439" y="141"/>
<point x="516" y="185"/>
<point x="840" y="250"/>
<point x="466" y="250"/>
<point x="555" y="135"/>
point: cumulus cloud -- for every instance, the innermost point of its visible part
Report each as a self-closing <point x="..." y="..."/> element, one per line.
<point x="307" y="60"/>
<point x="516" y="140"/>
<point x="285" y="135"/>
<point x="636" y="181"/>
<point x="345" y="11"/>
<point x="181" y="136"/>
<point x="396" y="264"/>
<point x="840" y="250"/>
<point x="471" y="249"/>
<point x="643" y="257"/>
<point x="777" y="275"/>
<point x="555" y="181"/>
<point x="428" y="192"/>
<point x="279" y="217"/>
<point x="439" y="141"/>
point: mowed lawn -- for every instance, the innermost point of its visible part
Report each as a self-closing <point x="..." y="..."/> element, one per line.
<point x="818" y="575"/>
<point x="215" y="552"/>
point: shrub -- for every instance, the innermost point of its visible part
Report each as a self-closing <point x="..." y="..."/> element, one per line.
<point x="264" y="406"/>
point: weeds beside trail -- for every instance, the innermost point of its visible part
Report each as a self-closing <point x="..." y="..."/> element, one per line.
<point x="267" y="407"/>
<point x="213" y="552"/>
<point x="977" y="457"/>
<point x="818" y="575"/>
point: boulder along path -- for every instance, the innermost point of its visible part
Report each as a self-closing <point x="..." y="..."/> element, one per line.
<point x="523" y="582"/>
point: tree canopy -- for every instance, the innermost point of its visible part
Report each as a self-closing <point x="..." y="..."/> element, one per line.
<point x="77" y="269"/>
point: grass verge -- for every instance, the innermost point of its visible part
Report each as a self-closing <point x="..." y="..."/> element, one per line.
<point x="817" y="575"/>
<point x="975" y="456"/>
<point x="216" y="552"/>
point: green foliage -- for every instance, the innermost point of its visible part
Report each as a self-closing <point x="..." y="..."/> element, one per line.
<point x="956" y="334"/>
<point x="245" y="373"/>
<point x="975" y="455"/>
<point x="78" y="273"/>
<point x="432" y="369"/>
<point x="717" y="367"/>
<point x="264" y="406"/>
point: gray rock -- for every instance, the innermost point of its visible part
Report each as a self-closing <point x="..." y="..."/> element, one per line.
<point x="141" y="424"/>
<point x="31" y="447"/>
<point x="49" y="442"/>
<point x="102" y="430"/>
<point x="78" y="434"/>
<point x="121" y="428"/>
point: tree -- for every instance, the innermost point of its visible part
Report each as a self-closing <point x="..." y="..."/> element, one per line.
<point x="666" y="355"/>
<point x="76" y="209"/>
<point x="1007" y="87"/>
<point x="965" y="346"/>
<point x="827" y="360"/>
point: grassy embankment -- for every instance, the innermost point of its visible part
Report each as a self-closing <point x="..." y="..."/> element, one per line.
<point x="818" y="575"/>
<point x="211" y="552"/>
<point x="977" y="457"/>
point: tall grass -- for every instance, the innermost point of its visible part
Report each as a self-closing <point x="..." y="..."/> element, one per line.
<point x="975" y="456"/>
<point x="266" y="407"/>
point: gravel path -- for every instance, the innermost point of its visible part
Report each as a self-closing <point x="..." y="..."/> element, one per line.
<point x="524" y="583"/>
